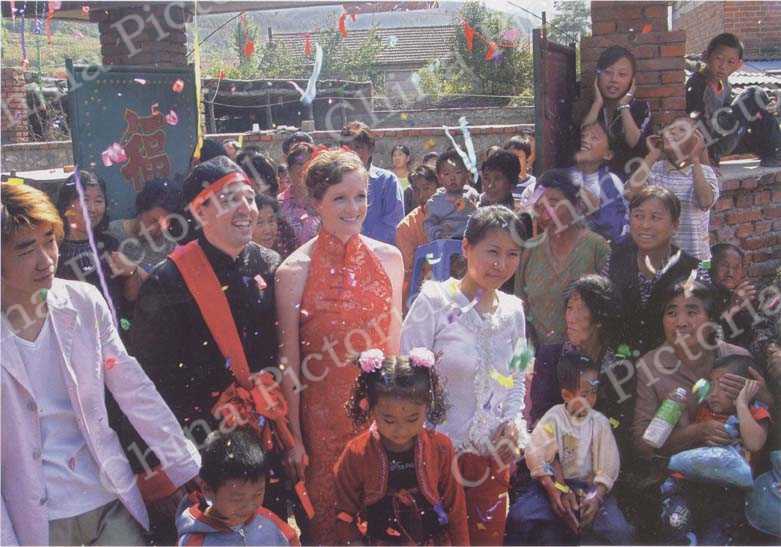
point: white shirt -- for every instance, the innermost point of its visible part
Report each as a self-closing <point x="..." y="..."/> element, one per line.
<point x="70" y="472"/>
<point x="692" y="234"/>
<point x="586" y="447"/>
<point x="474" y="357"/>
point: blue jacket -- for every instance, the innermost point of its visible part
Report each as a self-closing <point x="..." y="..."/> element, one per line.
<point x="385" y="207"/>
<point x="265" y="528"/>
<point x="611" y="218"/>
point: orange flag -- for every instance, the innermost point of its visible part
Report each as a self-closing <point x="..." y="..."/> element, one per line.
<point x="491" y="51"/>
<point x="308" y="45"/>
<point x="342" y="26"/>
<point x="469" y="34"/>
<point x="249" y="48"/>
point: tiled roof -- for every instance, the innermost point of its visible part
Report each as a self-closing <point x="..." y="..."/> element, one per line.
<point x="403" y="45"/>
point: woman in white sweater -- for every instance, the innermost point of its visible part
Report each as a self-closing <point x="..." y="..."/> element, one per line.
<point x="475" y="328"/>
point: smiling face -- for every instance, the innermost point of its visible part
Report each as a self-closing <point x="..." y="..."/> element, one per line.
<point x="267" y="228"/>
<point x="497" y="188"/>
<point x="236" y="501"/>
<point x="594" y="145"/>
<point x="342" y="209"/>
<point x="615" y="80"/>
<point x="492" y="260"/>
<point x="452" y="177"/>
<point x="30" y="258"/>
<point x="682" y="320"/>
<point x="728" y="271"/>
<point x="229" y="218"/>
<point x="96" y="209"/>
<point x="723" y="61"/>
<point x="651" y="225"/>
<point x="398" y="422"/>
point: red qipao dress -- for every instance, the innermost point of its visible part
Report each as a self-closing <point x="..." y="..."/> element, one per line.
<point x="345" y="309"/>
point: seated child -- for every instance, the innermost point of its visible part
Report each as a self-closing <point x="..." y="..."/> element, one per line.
<point x="574" y="457"/>
<point x="451" y="205"/>
<point x="677" y="160"/>
<point x="397" y="477"/>
<point x="601" y="190"/>
<point x="500" y="170"/>
<point x="745" y="124"/>
<point x="689" y="514"/>
<point x="233" y="471"/>
<point x="746" y="320"/>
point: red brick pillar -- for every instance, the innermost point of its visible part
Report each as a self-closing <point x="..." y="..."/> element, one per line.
<point x="642" y="28"/>
<point x="14" y="107"/>
<point x="149" y="34"/>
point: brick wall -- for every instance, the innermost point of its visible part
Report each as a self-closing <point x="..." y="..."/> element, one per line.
<point x="748" y="213"/>
<point x="757" y="24"/>
<point x="14" y="106"/>
<point x="162" y="42"/>
<point x="641" y="27"/>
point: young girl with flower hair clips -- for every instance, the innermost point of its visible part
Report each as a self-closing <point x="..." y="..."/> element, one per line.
<point x="394" y="482"/>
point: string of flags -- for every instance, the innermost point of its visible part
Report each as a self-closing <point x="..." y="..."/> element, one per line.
<point x="494" y="49"/>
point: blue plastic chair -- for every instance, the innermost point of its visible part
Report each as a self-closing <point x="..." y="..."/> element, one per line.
<point x="442" y="252"/>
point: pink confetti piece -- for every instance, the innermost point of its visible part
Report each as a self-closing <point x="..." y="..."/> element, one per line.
<point x="178" y="86"/>
<point x="260" y="282"/>
<point x="110" y="362"/>
<point x="139" y="81"/>
<point x="171" y="118"/>
<point x="85" y="10"/>
<point x="113" y="154"/>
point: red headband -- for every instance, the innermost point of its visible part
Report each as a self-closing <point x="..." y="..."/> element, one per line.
<point x="218" y="185"/>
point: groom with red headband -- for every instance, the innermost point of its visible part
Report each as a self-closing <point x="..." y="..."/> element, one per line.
<point x="205" y="319"/>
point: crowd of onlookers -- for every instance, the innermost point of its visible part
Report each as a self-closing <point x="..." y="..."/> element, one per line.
<point x="266" y="341"/>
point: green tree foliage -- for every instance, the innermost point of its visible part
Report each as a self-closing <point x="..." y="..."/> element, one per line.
<point x="468" y="72"/>
<point x="572" y="21"/>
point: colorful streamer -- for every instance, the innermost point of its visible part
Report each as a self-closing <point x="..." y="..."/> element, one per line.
<point x="93" y="246"/>
<point x="308" y="95"/>
<point x="470" y="147"/>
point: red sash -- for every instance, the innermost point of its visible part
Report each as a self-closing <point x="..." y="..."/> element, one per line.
<point x="202" y="282"/>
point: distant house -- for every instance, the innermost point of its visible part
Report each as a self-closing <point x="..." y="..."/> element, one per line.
<point x="407" y="50"/>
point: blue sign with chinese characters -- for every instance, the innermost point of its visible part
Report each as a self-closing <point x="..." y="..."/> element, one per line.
<point x="130" y="125"/>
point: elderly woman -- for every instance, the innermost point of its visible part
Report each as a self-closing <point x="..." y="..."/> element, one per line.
<point x="475" y="328"/>
<point x="564" y="252"/>
<point x="593" y="317"/>
<point x="643" y="264"/>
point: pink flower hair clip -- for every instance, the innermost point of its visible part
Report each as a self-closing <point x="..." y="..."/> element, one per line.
<point x="421" y="357"/>
<point x="371" y="360"/>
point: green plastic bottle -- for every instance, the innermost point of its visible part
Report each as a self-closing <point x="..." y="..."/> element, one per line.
<point x="666" y="418"/>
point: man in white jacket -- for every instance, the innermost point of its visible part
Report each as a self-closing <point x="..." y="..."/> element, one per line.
<point x="65" y="477"/>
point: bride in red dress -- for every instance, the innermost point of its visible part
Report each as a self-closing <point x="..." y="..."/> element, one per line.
<point x="337" y="295"/>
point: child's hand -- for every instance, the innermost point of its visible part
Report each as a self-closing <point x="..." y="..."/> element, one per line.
<point x="654" y="145"/>
<point x="629" y="95"/>
<point x="505" y="441"/>
<point x="590" y="506"/>
<point x="746" y="395"/>
<point x="698" y="149"/>
<point x="564" y="505"/>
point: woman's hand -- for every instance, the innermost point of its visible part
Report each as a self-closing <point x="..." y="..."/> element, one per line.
<point x="599" y="101"/>
<point x="654" y="145"/>
<point x="629" y="95"/>
<point x="298" y="461"/>
<point x="505" y="442"/>
<point x="746" y="395"/>
<point x="712" y="433"/>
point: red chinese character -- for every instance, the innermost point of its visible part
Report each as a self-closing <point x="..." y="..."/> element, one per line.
<point x="144" y="142"/>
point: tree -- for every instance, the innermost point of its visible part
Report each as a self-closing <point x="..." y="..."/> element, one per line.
<point x="572" y="21"/>
<point x="468" y="72"/>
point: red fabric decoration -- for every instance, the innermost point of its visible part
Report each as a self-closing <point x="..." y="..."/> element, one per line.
<point x="308" y="45"/>
<point x="491" y="51"/>
<point x="342" y="26"/>
<point x="49" y="16"/>
<point x="469" y="34"/>
<point x="648" y="27"/>
<point x="249" y="48"/>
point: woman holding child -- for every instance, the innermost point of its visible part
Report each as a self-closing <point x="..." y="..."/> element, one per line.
<point x="476" y="329"/>
<point x="338" y="295"/>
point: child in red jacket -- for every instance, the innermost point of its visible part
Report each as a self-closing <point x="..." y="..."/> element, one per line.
<point x="394" y="482"/>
